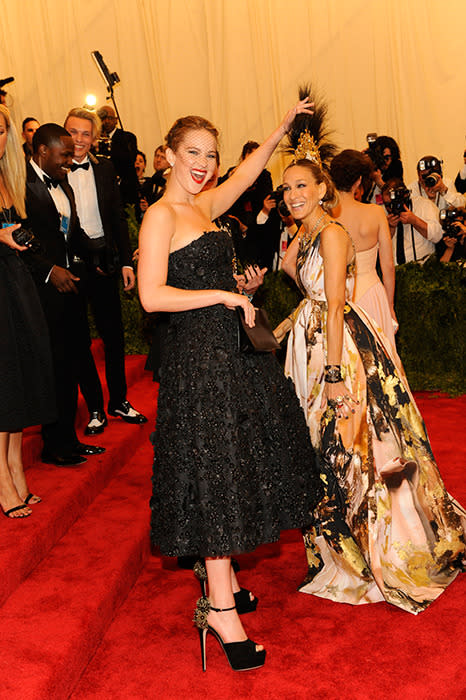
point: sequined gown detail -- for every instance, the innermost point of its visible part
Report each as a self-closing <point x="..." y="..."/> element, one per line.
<point x="233" y="463"/>
<point x="387" y="529"/>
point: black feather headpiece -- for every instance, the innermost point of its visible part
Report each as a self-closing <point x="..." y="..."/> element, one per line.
<point x="308" y="136"/>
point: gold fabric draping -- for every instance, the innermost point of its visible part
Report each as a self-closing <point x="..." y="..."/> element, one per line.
<point x="394" y="67"/>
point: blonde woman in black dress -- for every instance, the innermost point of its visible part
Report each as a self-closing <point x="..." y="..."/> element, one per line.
<point x="26" y="381"/>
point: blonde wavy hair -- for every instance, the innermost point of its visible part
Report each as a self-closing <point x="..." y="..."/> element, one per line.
<point x="83" y="113"/>
<point x="13" y="166"/>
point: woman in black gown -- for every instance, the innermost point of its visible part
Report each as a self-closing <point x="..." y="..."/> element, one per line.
<point x="26" y="383"/>
<point x="233" y="462"/>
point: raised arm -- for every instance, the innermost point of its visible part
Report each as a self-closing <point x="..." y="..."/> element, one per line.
<point x="218" y="200"/>
<point x="155" y="236"/>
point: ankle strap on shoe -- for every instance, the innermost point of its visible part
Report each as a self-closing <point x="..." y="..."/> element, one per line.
<point x="203" y="607"/>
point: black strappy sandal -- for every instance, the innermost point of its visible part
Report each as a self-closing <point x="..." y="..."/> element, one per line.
<point x="242" y="656"/>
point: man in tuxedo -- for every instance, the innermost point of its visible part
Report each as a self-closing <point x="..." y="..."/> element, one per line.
<point x="98" y="204"/>
<point x="57" y="268"/>
<point x="121" y="147"/>
<point x="154" y="186"/>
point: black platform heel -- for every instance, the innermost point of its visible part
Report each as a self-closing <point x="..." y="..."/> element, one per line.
<point x="242" y="656"/>
<point x="243" y="601"/>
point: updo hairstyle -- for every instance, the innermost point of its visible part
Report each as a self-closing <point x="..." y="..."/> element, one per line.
<point x="330" y="198"/>
<point x="348" y="166"/>
<point x="184" y="124"/>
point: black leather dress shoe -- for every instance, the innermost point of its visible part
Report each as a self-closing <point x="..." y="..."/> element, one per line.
<point x="64" y="460"/>
<point x="97" y="423"/>
<point x="83" y="450"/>
<point x="127" y="412"/>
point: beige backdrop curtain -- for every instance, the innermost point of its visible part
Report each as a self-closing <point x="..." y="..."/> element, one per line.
<point x="393" y="66"/>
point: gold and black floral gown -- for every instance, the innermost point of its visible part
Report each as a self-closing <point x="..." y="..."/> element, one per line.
<point x="387" y="529"/>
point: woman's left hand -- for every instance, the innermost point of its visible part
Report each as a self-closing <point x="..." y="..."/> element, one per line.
<point x="339" y="398"/>
<point x="7" y="237"/>
<point x="302" y="107"/>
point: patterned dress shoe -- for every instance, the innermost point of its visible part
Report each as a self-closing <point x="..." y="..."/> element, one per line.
<point x="87" y="450"/>
<point x="97" y="423"/>
<point x="127" y="412"/>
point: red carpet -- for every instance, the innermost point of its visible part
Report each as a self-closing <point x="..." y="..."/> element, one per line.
<point x="87" y="550"/>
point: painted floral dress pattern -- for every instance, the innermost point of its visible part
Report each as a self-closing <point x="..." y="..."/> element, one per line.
<point x="387" y="528"/>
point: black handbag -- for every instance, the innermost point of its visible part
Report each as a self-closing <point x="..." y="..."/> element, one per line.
<point x="260" y="337"/>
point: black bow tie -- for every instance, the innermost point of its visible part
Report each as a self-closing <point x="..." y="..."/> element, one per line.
<point x="75" y="166"/>
<point x="50" y="182"/>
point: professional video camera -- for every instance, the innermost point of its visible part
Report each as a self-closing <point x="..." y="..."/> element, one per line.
<point x="399" y="198"/>
<point x="277" y="195"/>
<point x="430" y="170"/>
<point x="449" y="217"/>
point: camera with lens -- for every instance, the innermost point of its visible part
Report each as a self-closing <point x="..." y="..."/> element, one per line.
<point x="374" y="152"/>
<point x="277" y="196"/>
<point x="449" y="217"/>
<point x="23" y="236"/>
<point x="400" y="197"/>
<point x="430" y="170"/>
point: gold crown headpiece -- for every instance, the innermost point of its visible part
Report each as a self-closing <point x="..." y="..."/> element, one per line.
<point x="307" y="148"/>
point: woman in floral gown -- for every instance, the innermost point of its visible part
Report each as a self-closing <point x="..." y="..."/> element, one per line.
<point x="387" y="529"/>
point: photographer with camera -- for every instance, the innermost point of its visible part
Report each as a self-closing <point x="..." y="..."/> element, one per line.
<point x="452" y="247"/>
<point x="95" y="188"/>
<point x="413" y="223"/>
<point x="272" y="231"/>
<point x="431" y="184"/>
<point x="384" y="153"/>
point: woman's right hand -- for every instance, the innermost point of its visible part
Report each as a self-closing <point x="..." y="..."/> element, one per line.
<point x="7" y="237"/>
<point x="302" y="107"/>
<point x="232" y="300"/>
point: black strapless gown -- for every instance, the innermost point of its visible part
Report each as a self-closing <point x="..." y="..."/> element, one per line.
<point x="233" y="461"/>
<point x="27" y="393"/>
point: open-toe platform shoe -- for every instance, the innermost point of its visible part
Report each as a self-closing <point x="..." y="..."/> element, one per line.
<point x="242" y="656"/>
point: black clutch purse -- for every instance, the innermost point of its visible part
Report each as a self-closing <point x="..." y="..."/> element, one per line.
<point x="260" y="337"/>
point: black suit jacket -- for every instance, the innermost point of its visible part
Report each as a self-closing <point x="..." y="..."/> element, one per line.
<point x="44" y="220"/>
<point x="111" y="213"/>
<point x="154" y="187"/>
<point x="123" y="153"/>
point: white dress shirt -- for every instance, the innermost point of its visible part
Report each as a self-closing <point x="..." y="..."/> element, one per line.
<point x="83" y="183"/>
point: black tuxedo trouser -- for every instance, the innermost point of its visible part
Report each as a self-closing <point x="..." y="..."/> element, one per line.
<point x="69" y="334"/>
<point x="104" y="298"/>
